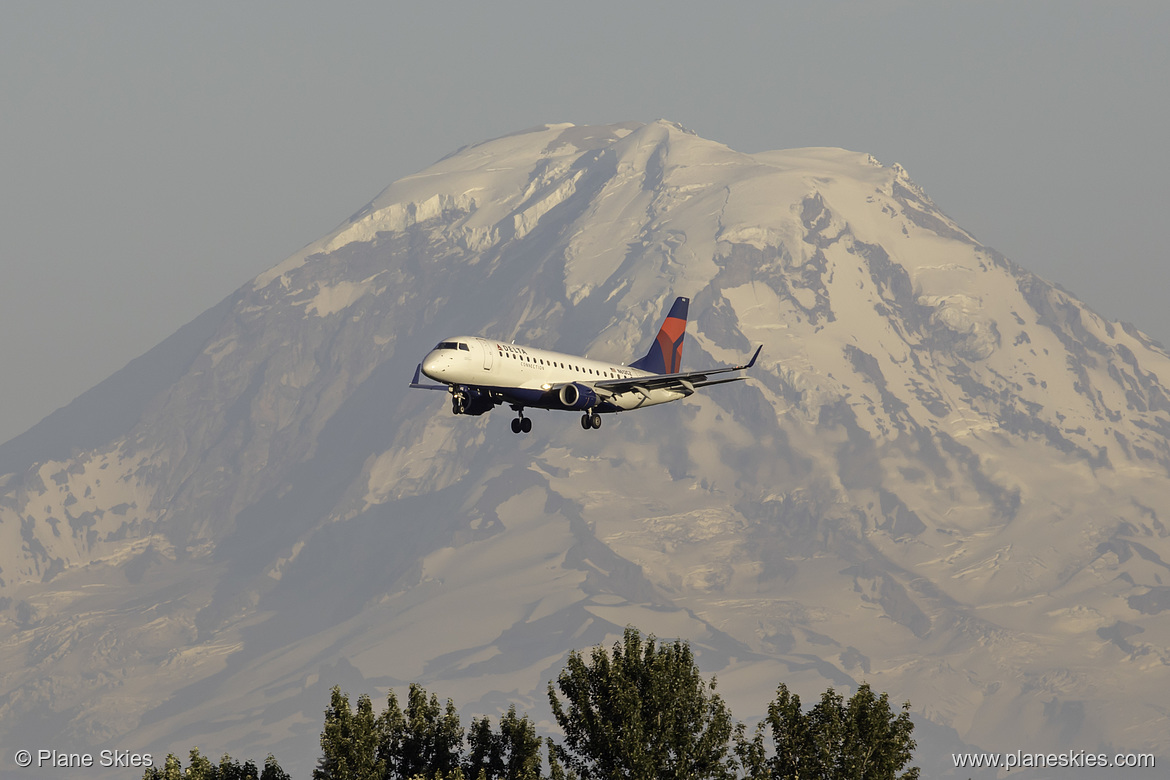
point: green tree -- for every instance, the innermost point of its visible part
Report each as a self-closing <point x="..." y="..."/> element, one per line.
<point x="521" y="747"/>
<point x="228" y="768"/>
<point x="200" y="767"/>
<point x="272" y="770"/>
<point x="876" y="743"/>
<point x="486" y="751"/>
<point x="555" y="770"/>
<point x="643" y="712"/>
<point x="349" y="741"/>
<point x="792" y="741"/>
<point x="425" y="739"/>
<point x="172" y="769"/>
<point x="512" y="753"/>
<point x="861" y="739"/>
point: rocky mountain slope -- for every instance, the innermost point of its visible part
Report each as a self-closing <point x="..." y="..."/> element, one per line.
<point x="945" y="476"/>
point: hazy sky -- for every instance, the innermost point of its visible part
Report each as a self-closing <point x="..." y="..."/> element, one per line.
<point x="154" y="156"/>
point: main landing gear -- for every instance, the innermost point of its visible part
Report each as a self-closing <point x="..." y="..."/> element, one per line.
<point x="521" y="424"/>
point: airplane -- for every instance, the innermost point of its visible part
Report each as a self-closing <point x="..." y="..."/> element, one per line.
<point x="482" y="373"/>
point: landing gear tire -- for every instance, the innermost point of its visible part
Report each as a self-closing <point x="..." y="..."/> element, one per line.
<point x="457" y="405"/>
<point x="526" y="425"/>
<point x="521" y="424"/>
<point x="516" y="425"/>
<point x="595" y="421"/>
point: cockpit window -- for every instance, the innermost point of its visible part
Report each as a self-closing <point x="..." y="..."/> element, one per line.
<point x="453" y="345"/>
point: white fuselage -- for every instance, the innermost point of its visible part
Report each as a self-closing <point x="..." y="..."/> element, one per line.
<point x="530" y="376"/>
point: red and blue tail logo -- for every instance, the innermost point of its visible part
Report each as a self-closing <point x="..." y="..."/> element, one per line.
<point x="665" y="355"/>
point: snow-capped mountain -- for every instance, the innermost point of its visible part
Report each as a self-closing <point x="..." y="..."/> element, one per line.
<point x="945" y="476"/>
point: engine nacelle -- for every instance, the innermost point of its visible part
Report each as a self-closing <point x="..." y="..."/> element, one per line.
<point x="578" y="396"/>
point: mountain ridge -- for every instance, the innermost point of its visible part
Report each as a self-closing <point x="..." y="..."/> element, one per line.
<point x="945" y="473"/>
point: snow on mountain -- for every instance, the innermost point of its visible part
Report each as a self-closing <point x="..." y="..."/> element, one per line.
<point x="945" y="476"/>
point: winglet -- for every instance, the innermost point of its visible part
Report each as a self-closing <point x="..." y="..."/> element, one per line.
<point x="752" y="362"/>
<point x="415" y="383"/>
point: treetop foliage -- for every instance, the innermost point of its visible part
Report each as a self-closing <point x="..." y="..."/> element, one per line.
<point x="640" y="710"/>
<point x="201" y="768"/>
<point x="858" y="739"/>
<point x="423" y="740"/>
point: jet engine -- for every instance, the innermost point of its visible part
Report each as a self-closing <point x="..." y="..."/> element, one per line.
<point x="578" y="396"/>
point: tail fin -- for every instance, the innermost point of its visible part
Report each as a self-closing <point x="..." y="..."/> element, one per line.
<point x="665" y="355"/>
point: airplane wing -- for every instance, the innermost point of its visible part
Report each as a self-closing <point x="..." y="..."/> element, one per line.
<point x="686" y="381"/>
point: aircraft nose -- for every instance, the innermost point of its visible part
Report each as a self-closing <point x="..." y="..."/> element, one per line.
<point x="433" y="365"/>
